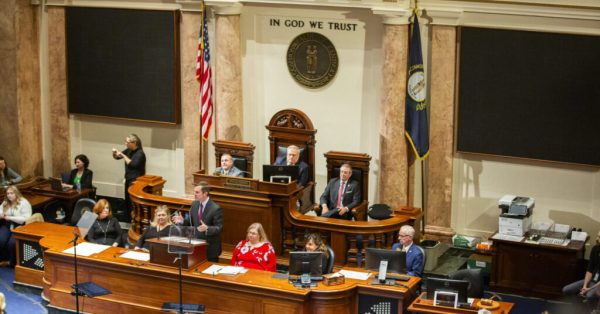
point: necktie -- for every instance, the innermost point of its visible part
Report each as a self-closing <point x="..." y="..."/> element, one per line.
<point x="338" y="203"/>
<point x="200" y="209"/>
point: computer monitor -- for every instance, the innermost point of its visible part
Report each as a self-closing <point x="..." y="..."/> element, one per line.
<point x="396" y="260"/>
<point x="280" y="174"/>
<point x="302" y="263"/>
<point x="460" y="287"/>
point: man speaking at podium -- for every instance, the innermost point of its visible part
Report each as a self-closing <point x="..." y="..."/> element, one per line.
<point x="292" y="158"/>
<point x="207" y="217"/>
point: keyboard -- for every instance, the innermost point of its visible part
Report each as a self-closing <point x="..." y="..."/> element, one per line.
<point x="553" y="241"/>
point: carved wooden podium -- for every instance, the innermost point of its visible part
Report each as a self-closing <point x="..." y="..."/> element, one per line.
<point x="159" y="253"/>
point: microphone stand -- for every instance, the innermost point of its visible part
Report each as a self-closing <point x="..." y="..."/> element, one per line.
<point x="76" y="285"/>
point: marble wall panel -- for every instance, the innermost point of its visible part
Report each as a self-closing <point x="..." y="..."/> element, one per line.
<point x="393" y="146"/>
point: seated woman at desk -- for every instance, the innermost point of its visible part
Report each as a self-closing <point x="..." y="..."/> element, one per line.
<point x="7" y="175"/>
<point x="13" y="212"/>
<point x="159" y="228"/>
<point x="256" y="251"/>
<point x="314" y="243"/>
<point x="106" y="229"/>
<point x="81" y="174"/>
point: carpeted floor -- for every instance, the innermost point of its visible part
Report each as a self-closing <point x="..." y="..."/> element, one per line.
<point x="20" y="299"/>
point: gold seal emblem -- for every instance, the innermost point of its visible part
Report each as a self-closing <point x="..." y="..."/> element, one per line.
<point x="312" y="60"/>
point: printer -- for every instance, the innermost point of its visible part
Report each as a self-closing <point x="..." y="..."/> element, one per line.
<point x="512" y="205"/>
<point x="515" y="218"/>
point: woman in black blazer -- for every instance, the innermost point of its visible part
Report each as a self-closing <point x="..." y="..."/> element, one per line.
<point x="80" y="174"/>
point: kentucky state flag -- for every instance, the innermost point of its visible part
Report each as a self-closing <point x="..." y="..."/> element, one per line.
<point x="416" y="126"/>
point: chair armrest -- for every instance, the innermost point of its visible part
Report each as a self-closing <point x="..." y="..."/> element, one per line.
<point x="360" y="212"/>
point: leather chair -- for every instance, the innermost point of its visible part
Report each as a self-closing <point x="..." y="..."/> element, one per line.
<point x="82" y="205"/>
<point x="424" y="258"/>
<point x="475" y="279"/>
<point x="360" y="172"/>
<point x="330" y="260"/>
<point x="241" y="153"/>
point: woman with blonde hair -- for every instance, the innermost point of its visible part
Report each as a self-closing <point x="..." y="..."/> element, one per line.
<point x="106" y="229"/>
<point x="13" y="212"/>
<point x="160" y="227"/>
<point x="255" y="252"/>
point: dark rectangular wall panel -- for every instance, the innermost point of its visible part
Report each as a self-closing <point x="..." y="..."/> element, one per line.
<point x="123" y="63"/>
<point x="529" y="94"/>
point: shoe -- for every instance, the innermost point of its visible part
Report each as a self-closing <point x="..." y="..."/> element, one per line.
<point x="4" y="263"/>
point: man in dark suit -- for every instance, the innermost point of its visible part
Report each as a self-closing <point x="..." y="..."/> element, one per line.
<point x="341" y="195"/>
<point x="227" y="168"/>
<point x="292" y="158"/>
<point x="414" y="255"/>
<point x="207" y="217"/>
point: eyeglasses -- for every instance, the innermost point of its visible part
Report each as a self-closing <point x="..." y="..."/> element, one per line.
<point x="403" y="235"/>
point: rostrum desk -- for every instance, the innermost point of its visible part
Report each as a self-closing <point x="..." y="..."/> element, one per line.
<point x="138" y="287"/>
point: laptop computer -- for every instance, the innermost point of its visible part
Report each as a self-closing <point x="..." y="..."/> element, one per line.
<point x="56" y="184"/>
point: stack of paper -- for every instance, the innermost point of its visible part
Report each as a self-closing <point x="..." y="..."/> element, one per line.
<point x="355" y="274"/>
<point x="87" y="249"/>
<point x="224" y="270"/>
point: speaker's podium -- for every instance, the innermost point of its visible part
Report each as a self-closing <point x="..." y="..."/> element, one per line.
<point x="245" y="201"/>
<point x="159" y="252"/>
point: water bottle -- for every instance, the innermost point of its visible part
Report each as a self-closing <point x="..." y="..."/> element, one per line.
<point x="78" y="185"/>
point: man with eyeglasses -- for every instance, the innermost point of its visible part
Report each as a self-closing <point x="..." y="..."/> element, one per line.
<point x="414" y="255"/>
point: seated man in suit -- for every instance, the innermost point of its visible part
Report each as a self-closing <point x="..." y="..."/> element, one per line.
<point x="227" y="168"/>
<point x="293" y="159"/>
<point x="414" y="256"/>
<point x="341" y="195"/>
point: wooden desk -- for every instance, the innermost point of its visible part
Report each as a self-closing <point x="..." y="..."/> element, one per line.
<point x="245" y="201"/>
<point x="253" y="292"/>
<point x="38" y="192"/>
<point x="423" y="305"/>
<point x="539" y="270"/>
<point x="30" y="269"/>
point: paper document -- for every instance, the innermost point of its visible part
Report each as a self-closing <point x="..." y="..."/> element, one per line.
<point x="355" y="274"/>
<point x="87" y="249"/>
<point x="139" y="256"/>
<point x="224" y="270"/>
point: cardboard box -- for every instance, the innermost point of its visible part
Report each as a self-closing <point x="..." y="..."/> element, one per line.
<point x="480" y="261"/>
<point x="468" y="242"/>
<point x="514" y="225"/>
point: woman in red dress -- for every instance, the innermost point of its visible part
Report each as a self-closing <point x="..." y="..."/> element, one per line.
<point x="256" y="251"/>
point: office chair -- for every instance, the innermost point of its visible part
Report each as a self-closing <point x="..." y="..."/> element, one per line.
<point x="330" y="259"/>
<point x="475" y="279"/>
<point x="83" y="204"/>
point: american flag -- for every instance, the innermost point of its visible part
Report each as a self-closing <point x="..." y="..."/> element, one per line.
<point x="204" y="76"/>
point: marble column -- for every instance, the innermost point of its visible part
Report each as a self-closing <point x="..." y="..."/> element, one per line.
<point x="20" y="129"/>
<point x="57" y="80"/>
<point x="190" y="95"/>
<point x="228" y="70"/>
<point x="438" y="213"/>
<point x="393" y="179"/>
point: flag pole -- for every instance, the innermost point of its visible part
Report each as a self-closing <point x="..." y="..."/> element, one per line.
<point x="203" y="142"/>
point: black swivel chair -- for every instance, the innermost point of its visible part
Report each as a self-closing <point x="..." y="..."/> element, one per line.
<point x="82" y="205"/>
<point x="475" y="279"/>
<point x="330" y="259"/>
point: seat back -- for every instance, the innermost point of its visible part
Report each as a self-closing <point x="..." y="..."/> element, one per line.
<point x="242" y="154"/>
<point x="65" y="176"/>
<point x="475" y="279"/>
<point x="292" y="127"/>
<point x="82" y="205"/>
<point x="422" y="266"/>
<point x="330" y="259"/>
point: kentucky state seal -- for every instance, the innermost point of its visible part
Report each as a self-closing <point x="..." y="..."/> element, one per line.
<point x="312" y="60"/>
